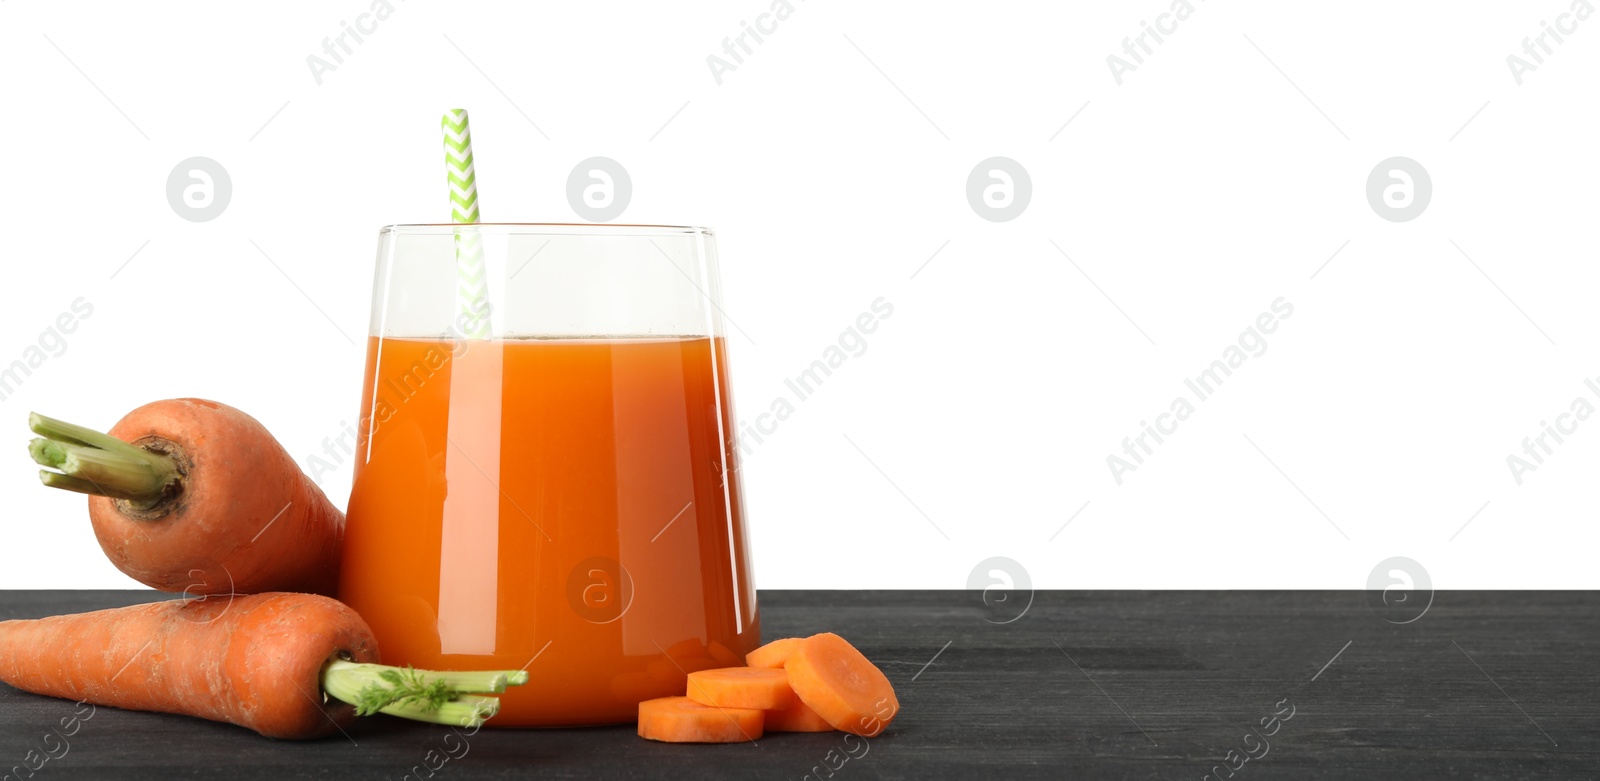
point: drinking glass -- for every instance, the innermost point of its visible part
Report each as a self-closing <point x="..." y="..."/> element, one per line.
<point x="546" y="469"/>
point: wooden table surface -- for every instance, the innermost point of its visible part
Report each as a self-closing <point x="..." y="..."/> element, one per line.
<point x="1098" y="685"/>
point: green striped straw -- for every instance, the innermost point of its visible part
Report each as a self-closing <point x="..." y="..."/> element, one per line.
<point x="472" y="275"/>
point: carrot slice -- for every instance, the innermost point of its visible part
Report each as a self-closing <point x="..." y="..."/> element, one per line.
<point x="761" y="688"/>
<point x="681" y="720"/>
<point x="837" y="682"/>
<point x="797" y="718"/>
<point x="773" y="654"/>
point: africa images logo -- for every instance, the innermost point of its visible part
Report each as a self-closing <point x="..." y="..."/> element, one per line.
<point x="1399" y="590"/>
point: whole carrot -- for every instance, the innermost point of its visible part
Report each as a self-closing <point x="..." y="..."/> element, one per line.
<point x="194" y="496"/>
<point x="285" y="665"/>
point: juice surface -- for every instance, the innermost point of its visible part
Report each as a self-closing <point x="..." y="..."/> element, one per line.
<point x="558" y="505"/>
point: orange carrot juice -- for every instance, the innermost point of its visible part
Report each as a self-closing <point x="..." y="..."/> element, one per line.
<point x="568" y="506"/>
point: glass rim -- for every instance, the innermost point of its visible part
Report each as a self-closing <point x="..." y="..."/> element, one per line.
<point x="549" y="229"/>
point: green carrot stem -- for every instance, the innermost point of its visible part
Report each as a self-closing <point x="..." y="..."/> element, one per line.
<point x="78" y="435"/>
<point x="421" y="695"/>
<point x="94" y="463"/>
<point x="481" y="683"/>
<point x="464" y="714"/>
<point x="485" y="707"/>
<point x="65" y="483"/>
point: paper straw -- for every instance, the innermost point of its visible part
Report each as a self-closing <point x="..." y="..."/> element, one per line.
<point x="472" y="276"/>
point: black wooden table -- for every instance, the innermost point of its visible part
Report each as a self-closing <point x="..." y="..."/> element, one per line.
<point x="1100" y="685"/>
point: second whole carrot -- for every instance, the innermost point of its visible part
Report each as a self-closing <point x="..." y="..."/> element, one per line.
<point x="285" y="665"/>
<point x="193" y="496"/>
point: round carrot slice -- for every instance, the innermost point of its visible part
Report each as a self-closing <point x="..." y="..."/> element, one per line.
<point x="773" y="654"/>
<point x="681" y="720"/>
<point x="761" y="688"/>
<point x="837" y="682"/>
<point x="797" y="718"/>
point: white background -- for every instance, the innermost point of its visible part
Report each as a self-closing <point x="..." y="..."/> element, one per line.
<point x="1194" y="194"/>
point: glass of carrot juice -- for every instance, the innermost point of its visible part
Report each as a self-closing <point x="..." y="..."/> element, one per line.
<point x="546" y="476"/>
